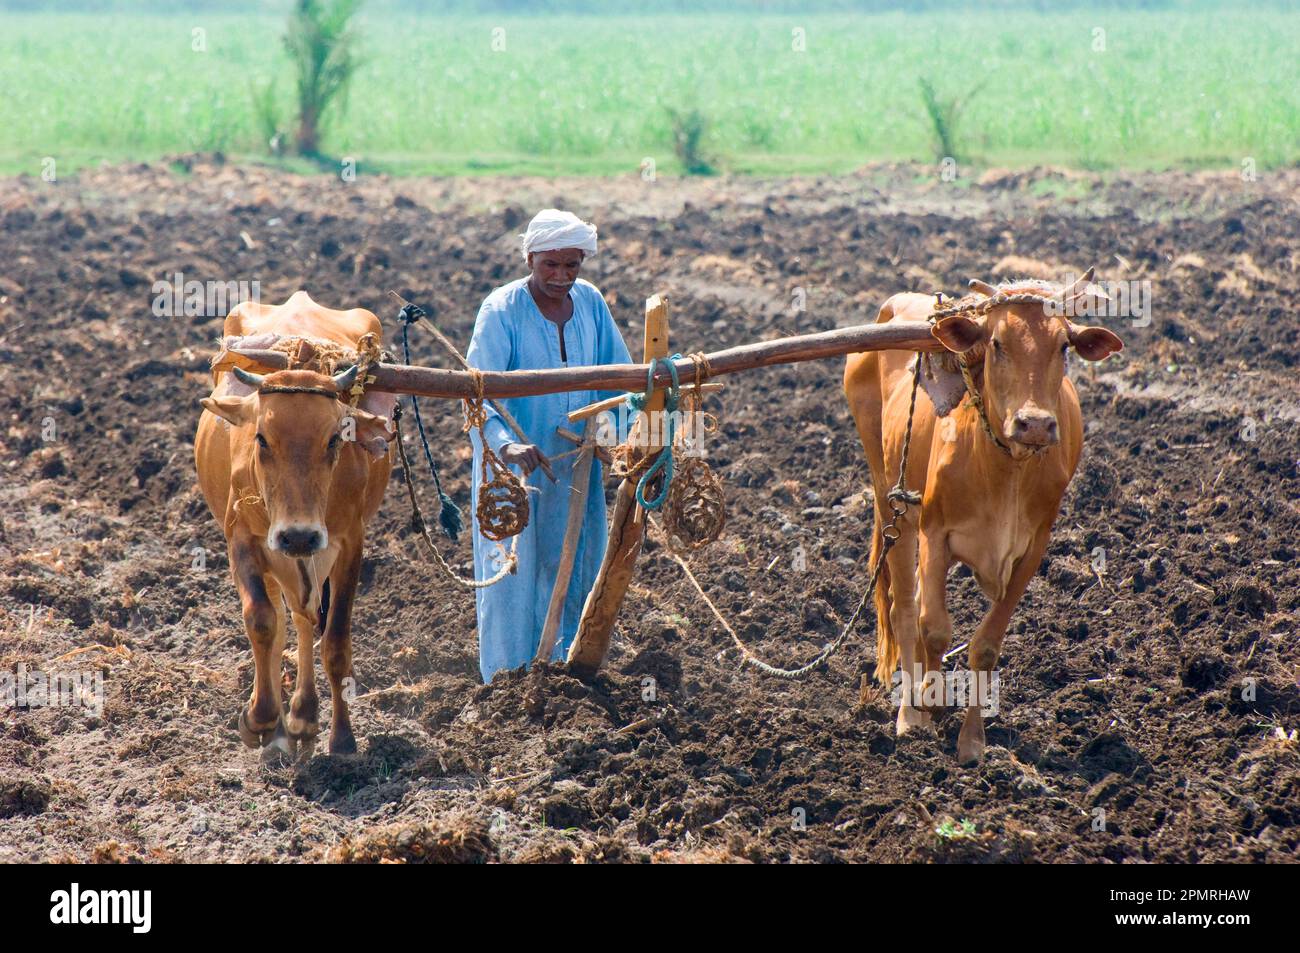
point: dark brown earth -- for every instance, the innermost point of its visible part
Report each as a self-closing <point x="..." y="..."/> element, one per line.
<point x="1124" y="691"/>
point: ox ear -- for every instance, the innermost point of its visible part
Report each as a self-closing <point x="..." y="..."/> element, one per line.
<point x="1094" y="344"/>
<point x="958" y="333"/>
<point x="371" y="432"/>
<point x="237" y="410"/>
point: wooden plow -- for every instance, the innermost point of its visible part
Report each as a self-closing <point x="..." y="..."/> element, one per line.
<point x="627" y="524"/>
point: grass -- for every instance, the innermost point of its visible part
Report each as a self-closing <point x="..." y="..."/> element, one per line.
<point x="949" y="829"/>
<point x="597" y="96"/>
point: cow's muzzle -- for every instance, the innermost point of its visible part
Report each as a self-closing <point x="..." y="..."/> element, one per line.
<point x="298" y="540"/>
<point x="1035" y="428"/>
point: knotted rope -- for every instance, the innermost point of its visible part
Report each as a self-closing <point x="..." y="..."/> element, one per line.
<point x="695" y="512"/>
<point x="972" y="305"/>
<point x="502" y="509"/>
<point x="663" y="462"/>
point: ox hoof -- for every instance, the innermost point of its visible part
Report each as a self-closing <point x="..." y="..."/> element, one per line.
<point x="970" y="750"/>
<point x="342" y="742"/>
<point x="910" y="719"/>
<point x="301" y="730"/>
<point x="281" y="748"/>
<point x="247" y="734"/>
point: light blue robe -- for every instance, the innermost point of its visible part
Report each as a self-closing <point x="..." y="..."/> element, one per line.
<point x="511" y="334"/>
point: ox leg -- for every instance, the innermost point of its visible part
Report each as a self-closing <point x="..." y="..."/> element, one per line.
<point x="303" y="722"/>
<point x="336" y="647"/>
<point x="903" y="620"/>
<point x="986" y="646"/>
<point x="935" y="623"/>
<point x="260" y="722"/>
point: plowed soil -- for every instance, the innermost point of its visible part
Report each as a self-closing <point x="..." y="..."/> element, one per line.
<point x="1149" y="702"/>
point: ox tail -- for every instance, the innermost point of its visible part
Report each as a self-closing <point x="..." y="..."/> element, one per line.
<point x="886" y="643"/>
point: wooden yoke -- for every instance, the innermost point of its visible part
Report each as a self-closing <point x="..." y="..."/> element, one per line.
<point x="627" y="528"/>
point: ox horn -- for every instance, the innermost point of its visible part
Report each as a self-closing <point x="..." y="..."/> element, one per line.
<point x="1079" y="286"/>
<point x="983" y="287"/>
<point x="344" y="380"/>
<point x="248" y="377"/>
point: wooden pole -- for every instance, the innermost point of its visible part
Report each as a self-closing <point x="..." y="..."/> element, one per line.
<point x="626" y="531"/>
<point x="435" y="382"/>
<point x="572" y="532"/>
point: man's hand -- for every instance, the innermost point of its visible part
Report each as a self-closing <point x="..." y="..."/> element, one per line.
<point x="527" y="456"/>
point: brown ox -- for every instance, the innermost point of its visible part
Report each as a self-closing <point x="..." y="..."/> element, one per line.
<point x="293" y="475"/>
<point x="988" y="497"/>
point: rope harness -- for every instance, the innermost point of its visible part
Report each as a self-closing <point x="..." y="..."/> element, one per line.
<point x="976" y="399"/>
<point x="324" y="356"/>
<point x="502" y="509"/>
<point x="496" y="510"/>
<point x="690" y="494"/>
<point x="663" y="461"/>
<point x="899" y="499"/>
<point x="422" y="527"/>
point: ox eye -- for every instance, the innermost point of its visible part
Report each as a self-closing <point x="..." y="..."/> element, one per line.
<point x="334" y="443"/>
<point x="261" y="442"/>
<point x="997" y="347"/>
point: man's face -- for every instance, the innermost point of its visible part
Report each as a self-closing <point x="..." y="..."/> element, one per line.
<point x="554" y="272"/>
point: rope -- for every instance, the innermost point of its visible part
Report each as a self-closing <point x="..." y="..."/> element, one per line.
<point x="502" y="509"/>
<point x="695" y="512"/>
<point x="898" y="498"/>
<point x="305" y="351"/>
<point x="449" y="515"/>
<point x="663" y="461"/>
<point x="367" y="357"/>
<point x="417" y="520"/>
<point x="702" y="369"/>
<point x="981" y="307"/>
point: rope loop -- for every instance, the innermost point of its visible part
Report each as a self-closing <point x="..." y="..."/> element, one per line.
<point x="502" y="509"/>
<point x="664" y="460"/>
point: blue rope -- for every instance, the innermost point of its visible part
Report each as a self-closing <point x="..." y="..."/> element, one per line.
<point x="664" y="462"/>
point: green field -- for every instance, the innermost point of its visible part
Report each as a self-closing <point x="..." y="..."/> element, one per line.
<point x="591" y="95"/>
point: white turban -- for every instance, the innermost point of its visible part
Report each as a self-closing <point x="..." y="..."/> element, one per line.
<point x="551" y="229"/>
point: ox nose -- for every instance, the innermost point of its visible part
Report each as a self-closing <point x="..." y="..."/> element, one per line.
<point x="299" y="541"/>
<point x="1034" y="428"/>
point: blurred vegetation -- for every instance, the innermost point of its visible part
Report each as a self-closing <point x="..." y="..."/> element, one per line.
<point x="945" y="115"/>
<point x="322" y="45"/>
<point x="593" y="95"/>
<point x="689" y="130"/>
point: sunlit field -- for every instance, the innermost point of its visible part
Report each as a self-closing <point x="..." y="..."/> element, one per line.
<point x="1094" y="90"/>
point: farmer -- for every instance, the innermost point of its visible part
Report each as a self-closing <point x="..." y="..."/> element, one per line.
<point x="548" y="319"/>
